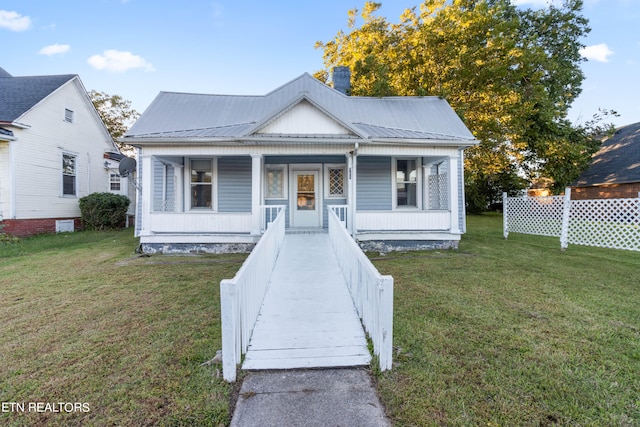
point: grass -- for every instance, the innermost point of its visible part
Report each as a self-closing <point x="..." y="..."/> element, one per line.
<point x="498" y="333"/>
<point x="514" y="332"/>
<point x="83" y="319"/>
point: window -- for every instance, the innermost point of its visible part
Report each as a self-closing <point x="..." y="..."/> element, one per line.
<point x="275" y="182"/>
<point x="68" y="175"/>
<point x="334" y="181"/>
<point x="68" y="115"/>
<point x="201" y="183"/>
<point x="407" y="182"/>
<point x="114" y="182"/>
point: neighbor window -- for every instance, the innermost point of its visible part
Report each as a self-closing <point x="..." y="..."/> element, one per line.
<point x="275" y="182"/>
<point x="68" y="175"/>
<point x="68" y="115"/>
<point x="201" y="183"/>
<point x="406" y="182"/>
<point x="114" y="182"/>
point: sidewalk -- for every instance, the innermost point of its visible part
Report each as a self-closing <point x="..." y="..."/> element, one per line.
<point x="308" y="398"/>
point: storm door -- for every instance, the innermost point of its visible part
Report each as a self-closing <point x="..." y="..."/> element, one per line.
<point x="306" y="205"/>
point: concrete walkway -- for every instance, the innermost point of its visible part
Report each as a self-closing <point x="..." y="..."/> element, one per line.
<point x="309" y="398"/>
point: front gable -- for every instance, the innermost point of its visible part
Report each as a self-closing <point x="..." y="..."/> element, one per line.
<point x="304" y="118"/>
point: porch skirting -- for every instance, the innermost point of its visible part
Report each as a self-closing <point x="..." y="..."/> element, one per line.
<point x="195" y="248"/>
<point x="406" y="245"/>
<point x="376" y="241"/>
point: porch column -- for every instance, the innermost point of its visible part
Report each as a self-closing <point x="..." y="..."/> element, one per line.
<point x="146" y="193"/>
<point x="256" y="193"/>
<point x="453" y="194"/>
<point x="352" y="163"/>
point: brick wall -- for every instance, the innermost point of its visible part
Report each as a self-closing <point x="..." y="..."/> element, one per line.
<point x="30" y="227"/>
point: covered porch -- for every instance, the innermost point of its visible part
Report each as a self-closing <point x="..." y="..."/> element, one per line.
<point x="224" y="197"/>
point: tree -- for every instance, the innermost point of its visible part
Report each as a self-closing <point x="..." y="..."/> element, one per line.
<point x="511" y="74"/>
<point x="116" y="113"/>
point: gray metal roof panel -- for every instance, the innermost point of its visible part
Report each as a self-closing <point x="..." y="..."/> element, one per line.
<point x="19" y="94"/>
<point x="390" y="117"/>
<point x="617" y="161"/>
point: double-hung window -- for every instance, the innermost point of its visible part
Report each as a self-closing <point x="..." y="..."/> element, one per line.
<point x="69" y="168"/>
<point x="407" y="182"/>
<point x="114" y="182"/>
<point x="201" y="183"/>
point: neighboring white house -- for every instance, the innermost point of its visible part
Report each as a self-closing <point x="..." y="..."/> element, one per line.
<point x="209" y="164"/>
<point x="54" y="149"/>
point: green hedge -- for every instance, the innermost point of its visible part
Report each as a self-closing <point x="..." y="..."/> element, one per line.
<point x="104" y="211"/>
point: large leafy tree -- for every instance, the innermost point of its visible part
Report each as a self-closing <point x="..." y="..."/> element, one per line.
<point x="510" y="73"/>
<point x="116" y="113"/>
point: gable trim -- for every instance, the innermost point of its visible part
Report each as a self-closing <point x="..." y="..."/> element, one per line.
<point x="289" y="107"/>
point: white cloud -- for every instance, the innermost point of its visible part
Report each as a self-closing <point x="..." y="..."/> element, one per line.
<point x="55" y="49"/>
<point x="597" y="52"/>
<point x="119" y="61"/>
<point x="14" y="21"/>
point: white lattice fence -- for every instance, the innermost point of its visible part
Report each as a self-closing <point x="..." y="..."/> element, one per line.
<point x="608" y="223"/>
<point x="533" y="215"/>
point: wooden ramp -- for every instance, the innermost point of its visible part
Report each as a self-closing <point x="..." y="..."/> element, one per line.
<point x="307" y="319"/>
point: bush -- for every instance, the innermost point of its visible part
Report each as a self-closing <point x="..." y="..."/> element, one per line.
<point x="103" y="211"/>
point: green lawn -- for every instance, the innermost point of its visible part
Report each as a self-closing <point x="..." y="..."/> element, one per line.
<point x="514" y="332"/>
<point x="499" y="332"/>
<point x="83" y="319"/>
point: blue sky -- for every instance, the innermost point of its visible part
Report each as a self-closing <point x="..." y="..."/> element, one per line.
<point x="137" y="48"/>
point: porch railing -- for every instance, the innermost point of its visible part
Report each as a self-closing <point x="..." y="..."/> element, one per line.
<point x="242" y="296"/>
<point x="269" y="214"/>
<point x="372" y="293"/>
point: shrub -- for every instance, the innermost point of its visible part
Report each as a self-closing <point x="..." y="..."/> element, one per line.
<point x="7" y="238"/>
<point x="103" y="211"/>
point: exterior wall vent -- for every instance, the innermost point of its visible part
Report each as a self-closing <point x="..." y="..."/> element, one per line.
<point x="64" y="226"/>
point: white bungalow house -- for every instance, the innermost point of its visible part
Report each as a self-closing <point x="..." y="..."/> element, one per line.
<point x="210" y="165"/>
<point x="54" y="149"/>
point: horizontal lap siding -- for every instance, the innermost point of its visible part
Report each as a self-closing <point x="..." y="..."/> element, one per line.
<point x="373" y="184"/>
<point x="234" y="184"/>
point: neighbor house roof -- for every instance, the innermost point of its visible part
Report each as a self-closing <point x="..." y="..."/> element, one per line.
<point x="19" y="94"/>
<point x="182" y="115"/>
<point x="617" y="161"/>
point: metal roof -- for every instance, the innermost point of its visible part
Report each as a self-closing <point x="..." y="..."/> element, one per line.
<point x="617" y="161"/>
<point x="19" y="94"/>
<point x="184" y="115"/>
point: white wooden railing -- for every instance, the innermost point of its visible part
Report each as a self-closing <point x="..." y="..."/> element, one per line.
<point x="372" y="293"/>
<point x="269" y="214"/>
<point x="242" y="296"/>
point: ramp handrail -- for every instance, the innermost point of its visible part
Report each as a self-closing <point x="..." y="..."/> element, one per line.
<point x="242" y="296"/>
<point x="372" y="293"/>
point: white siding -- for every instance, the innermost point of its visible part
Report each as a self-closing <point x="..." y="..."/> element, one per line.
<point x="200" y="223"/>
<point x="5" y="183"/>
<point x="304" y="118"/>
<point x="38" y="155"/>
<point x="403" y="221"/>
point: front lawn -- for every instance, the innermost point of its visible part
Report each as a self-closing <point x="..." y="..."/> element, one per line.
<point x="84" y="320"/>
<point x="497" y="333"/>
<point x="514" y="332"/>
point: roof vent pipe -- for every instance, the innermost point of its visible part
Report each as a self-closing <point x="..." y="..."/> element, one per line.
<point x="342" y="79"/>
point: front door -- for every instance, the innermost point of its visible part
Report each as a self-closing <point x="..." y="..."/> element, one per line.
<point x="306" y="206"/>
